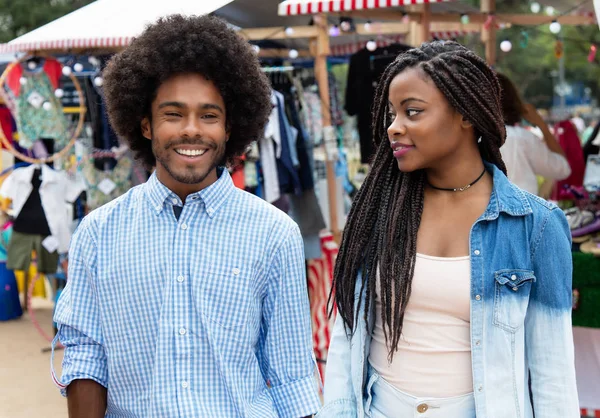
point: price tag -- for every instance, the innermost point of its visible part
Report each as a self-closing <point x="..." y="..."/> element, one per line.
<point x="107" y="186"/>
<point x="50" y="244"/>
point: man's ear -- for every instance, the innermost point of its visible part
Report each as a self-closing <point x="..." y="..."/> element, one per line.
<point x="146" y="128"/>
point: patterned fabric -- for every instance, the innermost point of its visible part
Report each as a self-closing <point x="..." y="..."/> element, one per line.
<point x="205" y="316"/>
<point x="313" y="117"/>
<point x="40" y="113"/>
<point x="120" y="177"/>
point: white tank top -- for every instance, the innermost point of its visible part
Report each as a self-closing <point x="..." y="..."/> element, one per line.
<point x="434" y="351"/>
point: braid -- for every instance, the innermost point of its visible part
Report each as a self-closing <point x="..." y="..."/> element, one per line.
<point x="380" y="238"/>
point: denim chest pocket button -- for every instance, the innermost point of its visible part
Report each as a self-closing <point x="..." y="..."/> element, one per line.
<point x="511" y="298"/>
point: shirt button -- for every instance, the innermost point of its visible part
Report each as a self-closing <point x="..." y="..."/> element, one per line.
<point x="175" y="201"/>
<point x="478" y="297"/>
<point x="210" y="211"/>
<point x="477" y="343"/>
<point x="180" y="279"/>
<point x="422" y="408"/>
<point x="513" y="277"/>
<point x="184" y="226"/>
<point x="182" y="331"/>
<point x="184" y="384"/>
<point x="480" y="388"/>
<point x="157" y="208"/>
<point x="476" y="252"/>
<point x="515" y="288"/>
<point x="235" y="271"/>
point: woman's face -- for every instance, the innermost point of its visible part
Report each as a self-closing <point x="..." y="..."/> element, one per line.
<point x="425" y="131"/>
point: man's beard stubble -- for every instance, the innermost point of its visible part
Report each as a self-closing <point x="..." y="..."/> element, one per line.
<point x="191" y="175"/>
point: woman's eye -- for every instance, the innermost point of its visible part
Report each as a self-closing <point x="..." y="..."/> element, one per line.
<point x="412" y="112"/>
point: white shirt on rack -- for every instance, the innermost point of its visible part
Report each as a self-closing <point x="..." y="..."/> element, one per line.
<point x="55" y="191"/>
<point x="526" y="156"/>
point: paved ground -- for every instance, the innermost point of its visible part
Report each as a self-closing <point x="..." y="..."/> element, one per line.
<point x="26" y="389"/>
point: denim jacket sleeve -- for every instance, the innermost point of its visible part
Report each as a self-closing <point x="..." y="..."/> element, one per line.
<point x="548" y="329"/>
<point x="339" y="401"/>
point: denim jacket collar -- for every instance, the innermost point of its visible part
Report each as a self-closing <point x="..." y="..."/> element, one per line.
<point x="506" y="197"/>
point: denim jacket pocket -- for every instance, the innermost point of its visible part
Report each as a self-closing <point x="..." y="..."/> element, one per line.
<point x="511" y="298"/>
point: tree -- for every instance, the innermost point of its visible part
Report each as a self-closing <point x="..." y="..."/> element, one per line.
<point x="18" y="17"/>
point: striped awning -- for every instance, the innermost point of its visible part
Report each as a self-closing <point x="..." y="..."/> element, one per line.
<point x="307" y="7"/>
<point x="351" y="48"/>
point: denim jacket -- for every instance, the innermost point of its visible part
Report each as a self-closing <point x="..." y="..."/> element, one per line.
<point x="521" y="274"/>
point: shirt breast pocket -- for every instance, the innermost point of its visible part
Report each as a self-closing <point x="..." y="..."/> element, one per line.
<point x="224" y="296"/>
<point x="511" y="298"/>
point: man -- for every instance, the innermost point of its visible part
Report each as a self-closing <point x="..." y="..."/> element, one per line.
<point x="186" y="296"/>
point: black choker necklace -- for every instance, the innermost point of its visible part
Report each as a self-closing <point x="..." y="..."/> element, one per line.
<point x="460" y="189"/>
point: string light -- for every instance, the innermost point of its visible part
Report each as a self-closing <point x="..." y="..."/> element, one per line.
<point x="550" y="10"/>
<point x="334" y="31"/>
<point x="345" y="26"/>
<point x="506" y="45"/>
<point x="555" y="27"/>
<point x="368" y="26"/>
<point x="293" y="54"/>
<point x="371" y="45"/>
<point x="47" y="106"/>
<point x="289" y="31"/>
<point x="59" y="93"/>
<point x="535" y="7"/>
<point x="98" y="81"/>
<point x="31" y="65"/>
<point x="78" y="67"/>
<point x="464" y="19"/>
<point x="67" y="70"/>
<point x="256" y="48"/>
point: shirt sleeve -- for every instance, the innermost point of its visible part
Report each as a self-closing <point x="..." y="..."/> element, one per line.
<point x="78" y="316"/>
<point x="286" y="357"/>
<point x="544" y="162"/>
<point x="552" y="365"/>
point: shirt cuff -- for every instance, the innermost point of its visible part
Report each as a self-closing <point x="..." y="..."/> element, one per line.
<point x="297" y="399"/>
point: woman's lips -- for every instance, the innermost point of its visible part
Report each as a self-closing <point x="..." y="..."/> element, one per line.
<point x="401" y="149"/>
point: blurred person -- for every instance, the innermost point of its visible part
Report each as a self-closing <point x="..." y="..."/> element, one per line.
<point x="525" y="155"/>
<point x="579" y="123"/>
<point x="567" y="136"/>
<point x="450" y="280"/>
<point x="186" y="296"/>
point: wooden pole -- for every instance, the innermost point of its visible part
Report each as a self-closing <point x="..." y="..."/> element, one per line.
<point x="488" y="35"/>
<point x="320" y="47"/>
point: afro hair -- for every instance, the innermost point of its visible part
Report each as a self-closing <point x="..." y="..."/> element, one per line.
<point x="177" y="44"/>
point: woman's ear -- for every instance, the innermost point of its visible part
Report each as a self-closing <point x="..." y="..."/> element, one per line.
<point x="146" y="128"/>
<point x="465" y="123"/>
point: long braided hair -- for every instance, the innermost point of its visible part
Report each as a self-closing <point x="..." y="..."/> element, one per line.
<point x="381" y="230"/>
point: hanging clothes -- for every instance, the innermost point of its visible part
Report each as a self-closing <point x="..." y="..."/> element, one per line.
<point x="289" y="181"/>
<point x="570" y="143"/>
<point x="56" y="189"/>
<point x="39" y="111"/>
<point x="8" y="124"/>
<point x="268" y="154"/>
<point x="365" y="70"/>
<point x="106" y="185"/>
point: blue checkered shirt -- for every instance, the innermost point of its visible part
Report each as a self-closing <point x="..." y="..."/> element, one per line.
<point x="205" y="316"/>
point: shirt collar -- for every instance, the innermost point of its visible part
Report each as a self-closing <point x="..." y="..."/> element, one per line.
<point x="506" y="197"/>
<point x="213" y="196"/>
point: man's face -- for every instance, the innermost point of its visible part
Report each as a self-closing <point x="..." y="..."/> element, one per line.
<point x="188" y="132"/>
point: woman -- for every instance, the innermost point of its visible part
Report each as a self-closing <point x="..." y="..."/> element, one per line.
<point x="525" y="155"/>
<point x="452" y="285"/>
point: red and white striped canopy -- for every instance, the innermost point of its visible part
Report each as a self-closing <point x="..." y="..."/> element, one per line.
<point x="105" y="24"/>
<point x="351" y="48"/>
<point x="307" y="7"/>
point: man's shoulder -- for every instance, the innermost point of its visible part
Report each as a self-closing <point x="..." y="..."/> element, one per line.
<point x="254" y="207"/>
<point x="121" y="204"/>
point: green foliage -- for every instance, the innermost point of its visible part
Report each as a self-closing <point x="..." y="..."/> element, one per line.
<point x="532" y="66"/>
<point x="18" y="17"/>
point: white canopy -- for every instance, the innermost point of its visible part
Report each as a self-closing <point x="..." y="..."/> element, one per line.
<point x="106" y="23"/>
